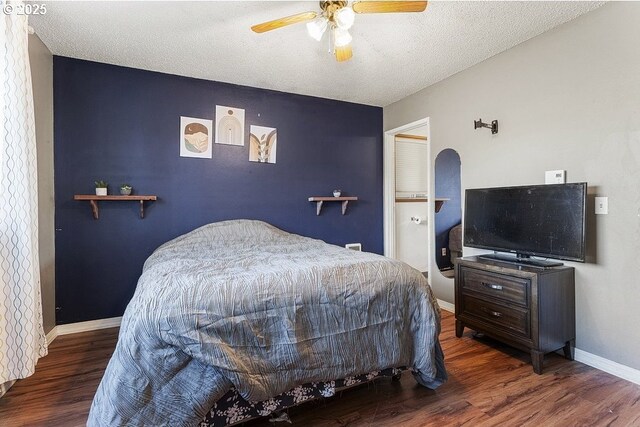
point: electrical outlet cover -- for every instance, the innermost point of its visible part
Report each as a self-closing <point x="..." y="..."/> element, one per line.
<point x="602" y="205"/>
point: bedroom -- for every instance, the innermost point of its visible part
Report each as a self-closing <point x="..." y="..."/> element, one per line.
<point x="566" y="99"/>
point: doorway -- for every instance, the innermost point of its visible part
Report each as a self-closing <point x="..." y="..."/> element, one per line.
<point x="407" y="206"/>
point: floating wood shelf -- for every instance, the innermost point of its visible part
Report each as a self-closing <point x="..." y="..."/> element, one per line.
<point x="439" y="201"/>
<point x="320" y="200"/>
<point x="93" y="201"/>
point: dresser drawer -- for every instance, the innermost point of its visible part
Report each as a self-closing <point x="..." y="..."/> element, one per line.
<point x="508" y="288"/>
<point x="514" y="319"/>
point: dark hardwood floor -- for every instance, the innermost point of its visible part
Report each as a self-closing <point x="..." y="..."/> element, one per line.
<point x="489" y="385"/>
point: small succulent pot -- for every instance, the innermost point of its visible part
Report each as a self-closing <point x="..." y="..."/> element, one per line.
<point x="125" y="190"/>
<point x="337" y="193"/>
<point x="101" y="188"/>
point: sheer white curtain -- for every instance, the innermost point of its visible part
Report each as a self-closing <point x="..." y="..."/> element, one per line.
<point x="22" y="339"/>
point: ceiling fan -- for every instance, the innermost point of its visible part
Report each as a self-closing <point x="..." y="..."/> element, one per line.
<point x="338" y="17"/>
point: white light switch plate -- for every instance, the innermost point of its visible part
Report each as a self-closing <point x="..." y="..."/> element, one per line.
<point x="555" y="177"/>
<point x="602" y="205"/>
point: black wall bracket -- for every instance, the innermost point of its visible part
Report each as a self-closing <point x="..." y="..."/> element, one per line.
<point x="493" y="126"/>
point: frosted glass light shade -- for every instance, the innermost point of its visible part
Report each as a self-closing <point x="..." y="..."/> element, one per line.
<point x="342" y="37"/>
<point x="317" y="28"/>
<point x="344" y="18"/>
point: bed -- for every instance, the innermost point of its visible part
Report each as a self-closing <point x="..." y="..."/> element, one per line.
<point x="241" y="304"/>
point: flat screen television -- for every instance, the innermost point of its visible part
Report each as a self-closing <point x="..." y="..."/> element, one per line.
<point x="546" y="221"/>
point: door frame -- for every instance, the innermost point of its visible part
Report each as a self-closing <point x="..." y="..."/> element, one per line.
<point x="389" y="187"/>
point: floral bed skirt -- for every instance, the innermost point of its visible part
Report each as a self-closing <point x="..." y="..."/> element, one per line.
<point x="232" y="408"/>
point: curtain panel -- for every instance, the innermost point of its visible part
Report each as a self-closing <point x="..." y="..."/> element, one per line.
<point x="22" y="339"/>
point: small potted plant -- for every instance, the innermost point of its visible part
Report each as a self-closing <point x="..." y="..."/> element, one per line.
<point x="125" y="189"/>
<point x="101" y="188"/>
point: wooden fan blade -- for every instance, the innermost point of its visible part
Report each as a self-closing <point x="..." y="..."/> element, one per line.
<point x="343" y="53"/>
<point x="389" y="6"/>
<point x="283" y="22"/>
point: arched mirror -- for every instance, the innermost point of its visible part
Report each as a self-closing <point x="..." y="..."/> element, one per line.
<point x="448" y="228"/>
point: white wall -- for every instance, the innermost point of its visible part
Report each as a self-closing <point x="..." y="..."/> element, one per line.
<point x="567" y="99"/>
<point x="41" y="62"/>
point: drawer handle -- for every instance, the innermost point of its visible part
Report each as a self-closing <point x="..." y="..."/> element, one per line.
<point x="492" y="286"/>
<point x="492" y="313"/>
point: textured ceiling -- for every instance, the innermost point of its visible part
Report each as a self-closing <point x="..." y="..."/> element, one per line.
<point x="395" y="55"/>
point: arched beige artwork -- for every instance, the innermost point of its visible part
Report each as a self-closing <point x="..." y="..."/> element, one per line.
<point x="263" y="147"/>
<point x="195" y="137"/>
<point x="229" y="125"/>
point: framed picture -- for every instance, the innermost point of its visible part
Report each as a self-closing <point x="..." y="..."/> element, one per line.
<point x="195" y="137"/>
<point x="229" y="125"/>
<point x="263" y="144"/>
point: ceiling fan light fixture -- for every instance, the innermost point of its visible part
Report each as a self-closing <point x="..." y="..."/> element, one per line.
<point x="344" y="17"/>
<point x="341" y="37"/>
<point x="336" y="17"/>
<point x="317" y="28"/>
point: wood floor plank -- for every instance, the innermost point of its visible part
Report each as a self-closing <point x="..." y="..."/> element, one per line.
<point x="490" y="384"/>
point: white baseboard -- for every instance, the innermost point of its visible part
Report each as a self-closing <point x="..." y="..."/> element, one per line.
<point x="91" y="325"/>
<point x="52" y="335"/>
<point x="447" y="306"/>
<point x="609" y="366"/>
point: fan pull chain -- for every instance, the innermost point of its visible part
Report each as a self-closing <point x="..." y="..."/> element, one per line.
<point x="332" y="39"/>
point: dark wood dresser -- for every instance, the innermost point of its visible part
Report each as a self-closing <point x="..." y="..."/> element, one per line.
<point x="529" y="308"/>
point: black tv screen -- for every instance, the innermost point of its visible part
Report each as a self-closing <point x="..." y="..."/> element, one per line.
<point x="540" y="220"/>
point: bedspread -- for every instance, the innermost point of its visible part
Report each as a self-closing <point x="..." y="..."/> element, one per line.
<point x="241" y="303"/>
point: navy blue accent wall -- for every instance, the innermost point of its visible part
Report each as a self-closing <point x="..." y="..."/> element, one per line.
<point x="123" y="125"/>
<point x="447" y="183"/>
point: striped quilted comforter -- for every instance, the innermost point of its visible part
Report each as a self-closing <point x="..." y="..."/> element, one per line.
<point x="243" y="303"/>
